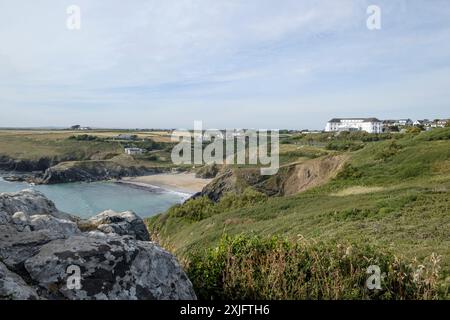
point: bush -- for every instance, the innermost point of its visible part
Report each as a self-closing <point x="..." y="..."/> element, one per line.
<point x="247" y="198"/>
<point x="201" y="208"/>
<point x="413" y="130"/>
<point x="349" y="172"/>
<point x="193" y="209"/>
<point x="255" y="268"/>
<point x="84" y="137"/>
<point x="388" y="151"/>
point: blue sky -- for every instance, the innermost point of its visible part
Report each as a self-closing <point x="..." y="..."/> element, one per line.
<point x="250" y="64"/>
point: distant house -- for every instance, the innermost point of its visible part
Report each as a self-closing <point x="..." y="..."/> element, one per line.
<point x="441" y="123"/>
<point x="78" y="127"/>
<point x="390" y="126"/>
<point x="424" y="123"/>
<point x="403" y="122"/>
<point x="370" y="125"/>
<point x="134" y="151"/>
<point x="126" y="137"/>
<point x="398" y="123"/>
<point x="310" y="131"/>
<point x="389" y="123"/>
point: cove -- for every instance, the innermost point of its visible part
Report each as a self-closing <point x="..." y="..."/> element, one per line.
<point x="88" y="199"/>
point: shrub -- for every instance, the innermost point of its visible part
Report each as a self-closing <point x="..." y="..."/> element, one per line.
<point x="413" y="130"/>
<point x="84" y="137"/>
<point x="388" y="151"/>
<point x="201" y="208"/>
<point x="234" y="201"/>
<point x="194" y="209"/>
<point x="255" y="268"/>
<point x="349" y="172"/>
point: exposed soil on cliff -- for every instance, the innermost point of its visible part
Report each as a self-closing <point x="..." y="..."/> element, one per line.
<point x="290" y="179"/>
<point x="311" y="173"/>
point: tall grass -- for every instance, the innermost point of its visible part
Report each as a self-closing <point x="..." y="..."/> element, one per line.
<point x="252" y="267"/>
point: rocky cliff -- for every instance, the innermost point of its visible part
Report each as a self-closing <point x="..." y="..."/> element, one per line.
<point x="47" y="254"/>
<point x="52" y="170"/>
<point x="290" y="179"/>
<point x="9" y="164"/>
<point x="92" y="171"/>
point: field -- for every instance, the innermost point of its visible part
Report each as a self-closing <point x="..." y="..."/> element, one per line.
<point x="92" y="145"/>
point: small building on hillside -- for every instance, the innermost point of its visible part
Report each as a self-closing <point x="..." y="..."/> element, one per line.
<point x="126" y="137"/>
<point x="370" y="125"/>
<point x="78" y="127"/>
<point x="134" y="151"/>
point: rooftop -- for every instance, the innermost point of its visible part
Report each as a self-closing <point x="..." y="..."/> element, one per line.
<point x="363" y="119"/>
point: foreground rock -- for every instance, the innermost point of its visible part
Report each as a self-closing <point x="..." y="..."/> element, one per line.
<point x="13" y="287"/>
<point x="42" y="250"/>
<point x="125" y="223"/>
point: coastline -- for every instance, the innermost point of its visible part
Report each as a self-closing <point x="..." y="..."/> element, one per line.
<point x="184" y="183"/>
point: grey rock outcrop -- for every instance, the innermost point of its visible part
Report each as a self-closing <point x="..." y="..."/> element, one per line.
<point x="12" y="286"/>
<point x="125" y="223"/>
<point x="30" y="202"/>
<point x="39" y="247"/>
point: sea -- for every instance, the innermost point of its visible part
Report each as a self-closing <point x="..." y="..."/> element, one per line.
<point x="86" y="199"/>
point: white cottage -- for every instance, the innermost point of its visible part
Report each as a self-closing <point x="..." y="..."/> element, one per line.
<point x="133" y="151"/>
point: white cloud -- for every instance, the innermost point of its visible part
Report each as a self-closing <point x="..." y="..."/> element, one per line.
<point x="160" y="58"/>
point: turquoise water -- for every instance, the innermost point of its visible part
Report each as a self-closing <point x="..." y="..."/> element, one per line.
<point x="88" y="199"/>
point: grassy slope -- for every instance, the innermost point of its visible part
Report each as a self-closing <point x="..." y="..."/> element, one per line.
<point x="409" y="212"/>
<point x="34" y="145"/>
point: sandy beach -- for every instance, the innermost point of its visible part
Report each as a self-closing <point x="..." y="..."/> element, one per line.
<point x="180" y="182"/>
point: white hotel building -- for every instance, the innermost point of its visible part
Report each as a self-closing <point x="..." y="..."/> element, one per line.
<point x="370" y="125"/>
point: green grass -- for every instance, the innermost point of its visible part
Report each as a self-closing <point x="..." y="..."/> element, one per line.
<point x="254" y="268"/>
<point x="408" y="214"/>
<point x="34" y="146"/>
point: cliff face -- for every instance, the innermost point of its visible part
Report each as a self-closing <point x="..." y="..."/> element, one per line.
<point x="41" y="248"/>
<point x="41" y="164"/>
<point x="51" y="171"/>
<point x="92" y="171"/>
<point x="289" y="180"/>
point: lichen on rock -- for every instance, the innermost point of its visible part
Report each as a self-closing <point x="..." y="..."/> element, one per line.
<point x="38" y="244"/>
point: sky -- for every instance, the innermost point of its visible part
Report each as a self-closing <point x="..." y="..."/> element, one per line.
<point x="270" y="64"/>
